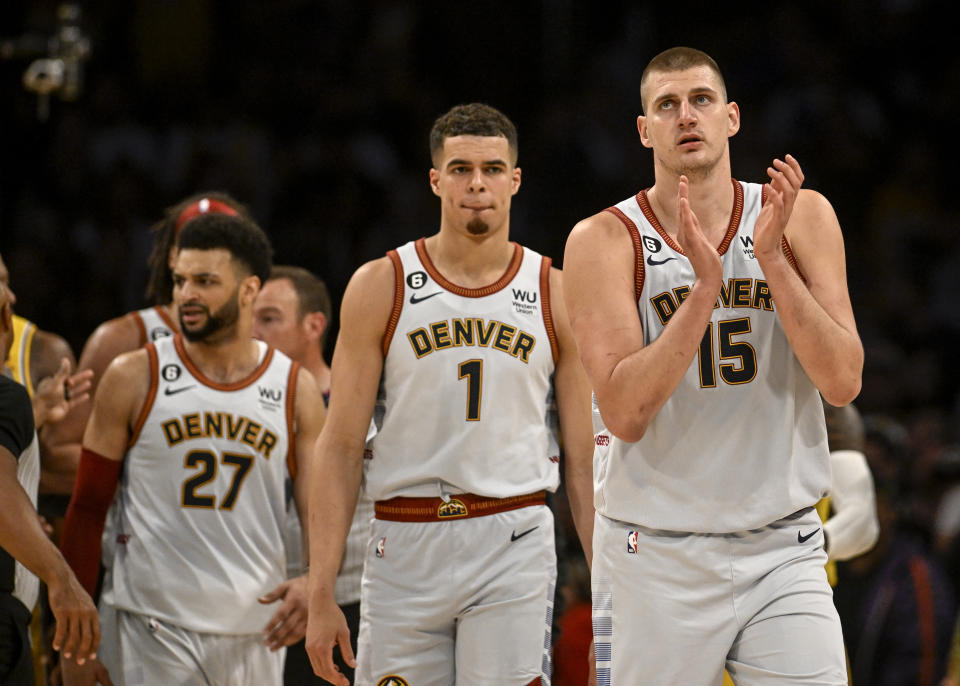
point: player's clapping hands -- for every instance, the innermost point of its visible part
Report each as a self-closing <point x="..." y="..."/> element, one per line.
<point x="786" y="178"/>
<point x="702" y="255"/>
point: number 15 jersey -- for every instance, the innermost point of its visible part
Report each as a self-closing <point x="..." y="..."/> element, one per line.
<point x="741" y="442"/>
<point x="466" y="388"/>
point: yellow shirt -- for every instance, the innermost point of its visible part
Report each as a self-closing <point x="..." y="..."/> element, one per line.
<point x="18" y="361"/>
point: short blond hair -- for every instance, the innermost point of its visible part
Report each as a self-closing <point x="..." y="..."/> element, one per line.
<point x="679" y="59"/>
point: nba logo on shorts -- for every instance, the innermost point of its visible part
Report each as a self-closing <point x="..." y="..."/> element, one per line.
<point x="632" y="542"/>
<point x="380" y="545"/>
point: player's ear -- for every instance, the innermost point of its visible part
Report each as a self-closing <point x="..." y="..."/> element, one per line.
<point x="517" y="173"/>
<point x="249" y="288"/>
<point x="644" y="133"/>
<point x="435" y="181"/>
<point x="315" y="324"/>
<point x="733" y="115"/>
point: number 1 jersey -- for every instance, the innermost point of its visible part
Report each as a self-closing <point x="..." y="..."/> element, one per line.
<point x="466" y="402"/>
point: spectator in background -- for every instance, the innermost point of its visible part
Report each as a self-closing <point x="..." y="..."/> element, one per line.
<point x="291" y="313"/>
<point x="896" y="602"/>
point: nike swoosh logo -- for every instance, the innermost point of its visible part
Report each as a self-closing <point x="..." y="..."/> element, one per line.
<point x="514" y="536"/>
<point x="174" y="391"/>
<point x="653" y="263"/>
<point x="414" y="299"/>
<point x="803" y="539"/>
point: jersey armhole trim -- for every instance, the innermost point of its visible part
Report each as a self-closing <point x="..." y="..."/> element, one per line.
<point x="397" y="299"/>
<point x="141" y="327"/>
<point x="151" y="394"/>
<point x="291" y="419"/>
<point x="637" y="248"/>
<point x="545" y="263"/>
<point x="162" y="313"/>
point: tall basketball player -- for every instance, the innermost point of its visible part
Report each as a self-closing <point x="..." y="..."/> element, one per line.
<point x="465" y="336"/>
<point x="708" y="314"/>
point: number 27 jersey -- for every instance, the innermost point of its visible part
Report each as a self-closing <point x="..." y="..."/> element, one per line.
<point x="467" y="383"/>
<point x="201" y="505"/>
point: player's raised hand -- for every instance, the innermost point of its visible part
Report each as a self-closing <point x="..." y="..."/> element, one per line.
<point x="786" y="177"/>
<point x="289" y="623"/>
<point x="702" y="255"/>
<point x="58" y="394"/>
<point x="326" y="628"/>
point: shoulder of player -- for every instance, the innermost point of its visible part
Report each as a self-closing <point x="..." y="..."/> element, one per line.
<point x="129" y="368"/>
<point x="604" y="225"/>
<point x="812" y="212"/>
<point x="599" y="250"/>
<point x="370" y="293"/>
<point x="308" y="401"/>
<point x="598" y="238"/>
<point x="46" y="352"/>
<point x="109" y="339"/>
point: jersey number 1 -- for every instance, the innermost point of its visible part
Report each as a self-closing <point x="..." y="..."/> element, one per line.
<point x="472" y="371"/>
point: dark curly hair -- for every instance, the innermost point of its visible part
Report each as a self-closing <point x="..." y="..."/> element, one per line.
<point x="247" y="243"/>
<point x="160" y="281"/>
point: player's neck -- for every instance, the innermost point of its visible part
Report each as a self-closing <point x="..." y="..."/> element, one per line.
<point x="470" y="261"/>
<point x="226" y="360"/>
<point x="711" y="199"/>
<point x="171" y="311"/>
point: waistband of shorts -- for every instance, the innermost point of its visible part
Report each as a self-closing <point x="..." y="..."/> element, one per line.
<point x="459" y="506"/>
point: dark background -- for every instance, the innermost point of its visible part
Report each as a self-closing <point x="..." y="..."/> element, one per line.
<point x="316" y="114"/>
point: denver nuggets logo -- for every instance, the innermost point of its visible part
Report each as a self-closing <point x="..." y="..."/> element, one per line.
<point x="452" y="509"/>
<point x="393" y="680"/>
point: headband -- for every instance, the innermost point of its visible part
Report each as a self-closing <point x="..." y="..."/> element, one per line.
<point x="203" y="206"/>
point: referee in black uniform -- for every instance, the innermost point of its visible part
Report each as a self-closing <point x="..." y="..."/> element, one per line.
<point x="24" y="547"/>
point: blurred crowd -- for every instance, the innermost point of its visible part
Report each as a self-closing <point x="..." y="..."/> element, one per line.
<point x="315" y="114"/>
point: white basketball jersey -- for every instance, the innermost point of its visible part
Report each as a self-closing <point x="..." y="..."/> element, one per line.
<point x="154" y="324"/>
<point x="742" y="440"/>
<point x="201" y="507"/>
<point x="467" y="384"/>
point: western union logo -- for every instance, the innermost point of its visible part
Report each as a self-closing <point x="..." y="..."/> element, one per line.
<point x="452" y="509"/>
